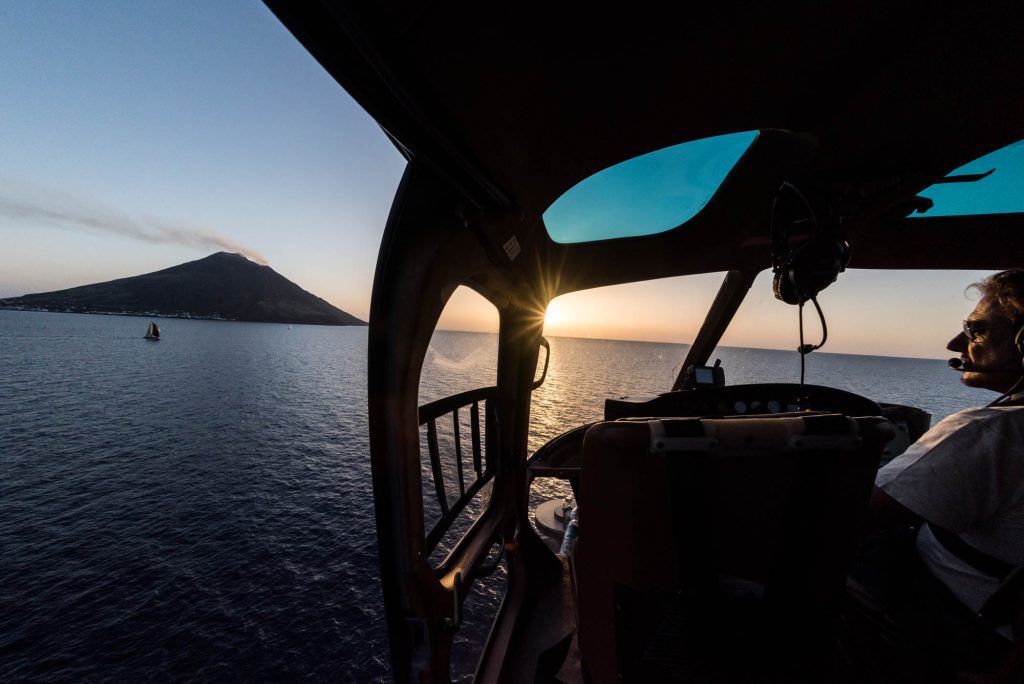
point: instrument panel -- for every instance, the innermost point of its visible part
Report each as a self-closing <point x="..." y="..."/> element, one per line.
<point x="743" y="400"/>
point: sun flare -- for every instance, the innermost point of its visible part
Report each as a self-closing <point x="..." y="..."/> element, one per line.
<point x="553" y="315"/>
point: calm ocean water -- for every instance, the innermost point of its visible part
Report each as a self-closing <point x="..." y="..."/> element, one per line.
<point x="200" y="508"/>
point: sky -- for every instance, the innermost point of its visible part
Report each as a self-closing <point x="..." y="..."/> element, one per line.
<point x="180" y="119"/>
<point x="139" y="135"/>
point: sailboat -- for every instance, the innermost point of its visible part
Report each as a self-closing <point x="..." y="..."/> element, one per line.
<point x="153" y="331"/>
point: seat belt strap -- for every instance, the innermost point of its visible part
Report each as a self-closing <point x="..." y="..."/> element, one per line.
<point x="979" y="560"/>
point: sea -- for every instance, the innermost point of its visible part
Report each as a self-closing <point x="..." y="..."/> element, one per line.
<point x="200" y="508"/>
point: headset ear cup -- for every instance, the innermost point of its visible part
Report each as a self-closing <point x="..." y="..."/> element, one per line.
<point x="777" y="286"/>
<point x="783" y="285"/>
<point x="801" y="273"/>
<point x="1018" y="340"/>
<point x="810" y="268"/>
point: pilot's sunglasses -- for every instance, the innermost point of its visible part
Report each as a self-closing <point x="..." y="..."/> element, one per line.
<point x="974" y="328"/>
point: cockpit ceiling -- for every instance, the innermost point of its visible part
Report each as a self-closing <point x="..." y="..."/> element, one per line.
<point x="537" y="97"/>
<point x="517" y="102"/>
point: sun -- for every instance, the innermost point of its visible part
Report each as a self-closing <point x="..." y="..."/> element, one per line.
<point x="553" y="315"/>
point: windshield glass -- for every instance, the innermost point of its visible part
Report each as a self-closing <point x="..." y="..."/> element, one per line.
<point x="887" y="335"/>
<point x="463" y="351"/>
<point x="610" y="342"/>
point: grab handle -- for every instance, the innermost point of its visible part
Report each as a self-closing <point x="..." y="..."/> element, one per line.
<point x="547" y="358"/>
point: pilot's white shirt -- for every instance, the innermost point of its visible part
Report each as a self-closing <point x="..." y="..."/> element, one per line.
<point x="966" y="475"/>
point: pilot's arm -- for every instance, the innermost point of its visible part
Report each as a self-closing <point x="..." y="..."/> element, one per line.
<point x="885" y="512"/>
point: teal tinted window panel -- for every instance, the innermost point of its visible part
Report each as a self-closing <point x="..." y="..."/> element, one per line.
<point x="1000" y="193"/>
<point x="648" y="194"/>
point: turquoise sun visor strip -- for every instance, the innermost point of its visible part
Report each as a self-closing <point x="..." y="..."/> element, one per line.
<point x="646" y="195"/>
<point x="1002" y="192"/>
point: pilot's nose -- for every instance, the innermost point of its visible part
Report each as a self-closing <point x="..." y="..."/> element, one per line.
<point x="958" y="343"/>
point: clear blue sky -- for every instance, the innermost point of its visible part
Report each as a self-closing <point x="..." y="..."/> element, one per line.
<point x="199" y="116"/>
<point x="208" y="122"/>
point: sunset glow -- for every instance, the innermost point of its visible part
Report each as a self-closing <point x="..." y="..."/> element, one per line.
<point x="553" y="317"/>
<point x="866" y="312"/>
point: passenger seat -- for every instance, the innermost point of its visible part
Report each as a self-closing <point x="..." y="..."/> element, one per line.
<point x="717" y="548"/>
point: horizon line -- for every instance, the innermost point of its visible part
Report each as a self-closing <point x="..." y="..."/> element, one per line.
<point x="689" y="344"/>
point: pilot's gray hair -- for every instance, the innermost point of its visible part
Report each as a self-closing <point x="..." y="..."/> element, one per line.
<point x="1006" y="288"/>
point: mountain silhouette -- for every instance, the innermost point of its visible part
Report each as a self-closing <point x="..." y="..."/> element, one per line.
<point x="221" y="286"/>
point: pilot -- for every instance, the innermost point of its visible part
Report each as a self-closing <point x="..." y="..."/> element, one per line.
<point x="961" y="488"/>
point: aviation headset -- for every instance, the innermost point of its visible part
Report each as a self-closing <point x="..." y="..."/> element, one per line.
<point x="1007" y="398"/>
<point x="1018" y="343"/>
<point x="1016" y="279"/>
<point x="802" y="272"/>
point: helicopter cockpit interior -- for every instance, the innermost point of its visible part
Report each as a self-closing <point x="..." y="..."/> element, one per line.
<point x="818" y="131"/>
